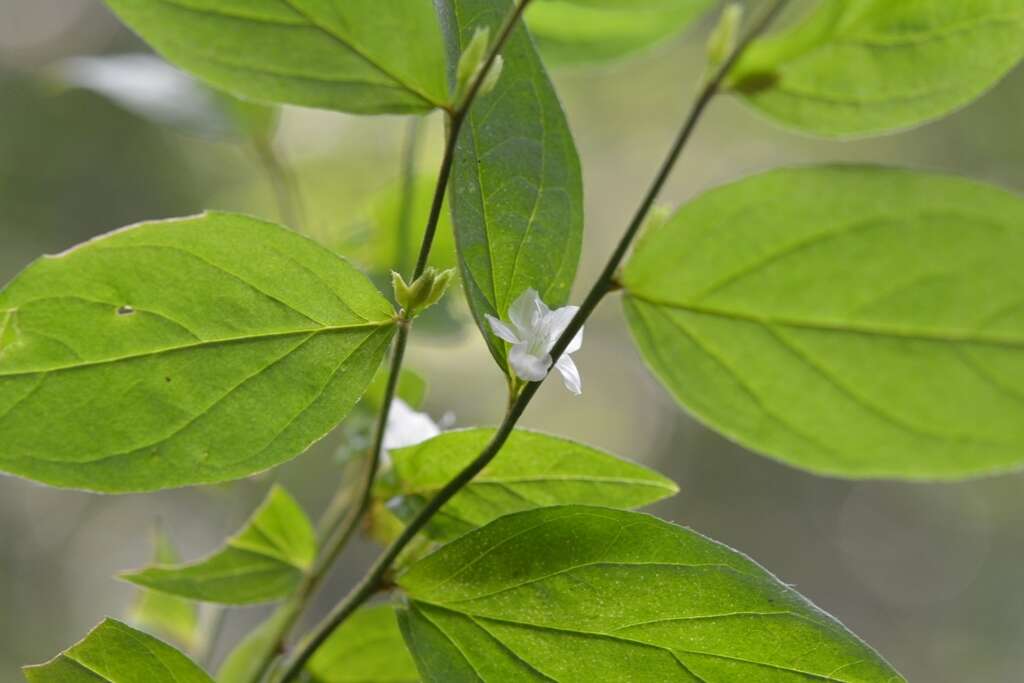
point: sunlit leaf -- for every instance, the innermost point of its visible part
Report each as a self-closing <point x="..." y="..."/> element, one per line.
<point x="366" y="648"/>
<point x="115" y="653"/>
<point x="517" y="198"/>
<point x="856" y="67"/>
<point x="853" y="321"/>
<point x="591" y="594"/>
<point x="532" y="470"/>
<point x="361" y="56"/>
<point x="583" y="31"/>
<point x="180" y="352"/>
<point x="163" y="614"/>
<point x="264" y="561"/>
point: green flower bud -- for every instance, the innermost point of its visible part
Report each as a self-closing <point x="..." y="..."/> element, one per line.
<point x="424" y="292"/>
<point x="722" y="40"/>
<point x="471" y="60"/>
<point x="492" y="76"/>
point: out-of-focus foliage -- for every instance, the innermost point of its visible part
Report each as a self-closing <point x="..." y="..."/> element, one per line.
<point x="589" y="31"/>
<point x="367" y="647"/>
<point x="163" y="614"/>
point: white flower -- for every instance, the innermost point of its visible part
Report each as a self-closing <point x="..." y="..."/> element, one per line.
<point x="407" y="427"/>
<point x="533" y="331"/>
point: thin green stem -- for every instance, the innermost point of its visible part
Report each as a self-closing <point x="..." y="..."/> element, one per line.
<point x="214" y="630"/>
<point x="375" y="577"/>
<point x="456" y="118"/>
<point x="283" y="182"/>
<point x="343" y="520"/>
<point x="410" y="150"/>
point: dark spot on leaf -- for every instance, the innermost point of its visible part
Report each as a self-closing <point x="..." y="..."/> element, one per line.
<point x="754" y="83"/>
<point x="167" y="379"/>
<point x="126" y="310"/>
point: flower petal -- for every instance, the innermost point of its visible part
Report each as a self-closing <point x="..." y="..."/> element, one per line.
<point x="530" y="368"/>
<point x="575" y="344"/>
<point x="502" y="330"/>
<point x="525" y="313"/>
<point x="556" y="322"/>
<point x="407" y="427"/>
<point x="570" y="374"/>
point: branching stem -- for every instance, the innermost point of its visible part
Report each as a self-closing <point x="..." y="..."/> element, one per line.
<point x="343" y="520"/>
<point x="605" y="283"/>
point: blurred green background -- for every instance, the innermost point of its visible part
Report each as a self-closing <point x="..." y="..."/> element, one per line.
<point x="928" y="574"/>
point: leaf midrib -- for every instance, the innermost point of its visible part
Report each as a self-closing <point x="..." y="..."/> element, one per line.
<point x="869" y="330"/>
<point x="202" y="344"/>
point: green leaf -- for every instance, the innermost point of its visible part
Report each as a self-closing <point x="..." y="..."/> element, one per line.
<point x="115" y="653"/>
<point x="584" y="31"/>
<point x="181" y="352"/>
<point x="860" y="67"/>
<point x="851" y="321"/>
<point x="360" y="56"/>
<point x="264" y="561"/>
<point x="366" y="648"/>
<point x="167" y="615"/>
<point x="517" y="200"/>
<point x="532" y="470"/>
<point x="591" y="594"/>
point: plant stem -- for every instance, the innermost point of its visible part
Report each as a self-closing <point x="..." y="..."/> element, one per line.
<point x="456" y="118"/>
<point x="372" y="581"/>
<point x="286" y="189"/>
<point x="341" y="521"/>
<point x="408" y="192"/>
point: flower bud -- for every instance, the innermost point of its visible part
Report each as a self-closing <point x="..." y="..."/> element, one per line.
<point x="723" y="38"/>
<point x="424" y="292"/>
<point x="471" y="60"/>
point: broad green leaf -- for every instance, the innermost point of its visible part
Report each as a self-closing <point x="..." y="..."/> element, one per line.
<point x="532" y="470"/>
<point x="181" y="352"/>
<point x="583" y="31"/>
<point x="163" y="614"/>
<point x="517" y="200"/>
<point x="858" y="67"/>
<point x="367" y="648"/>
<point x="247" y="661"/>
<point x="115" y="653"/>
<point x="360" y="56"/>
<point x="586" y="594"/>
<point x="264" y="561"/>
<point x="852" y="321"/>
